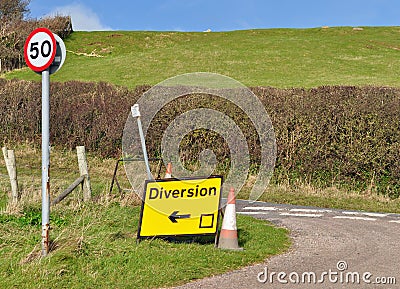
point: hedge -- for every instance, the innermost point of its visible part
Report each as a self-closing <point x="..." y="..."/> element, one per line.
<point x="330" y="135"/>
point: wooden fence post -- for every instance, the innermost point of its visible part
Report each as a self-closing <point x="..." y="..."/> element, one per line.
<point x="83" y="170"/>
<point x="9" y="159"/>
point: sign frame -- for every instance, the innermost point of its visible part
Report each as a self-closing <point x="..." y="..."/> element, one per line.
<point x="176" y="215"/>
<point x="60" y="56"/>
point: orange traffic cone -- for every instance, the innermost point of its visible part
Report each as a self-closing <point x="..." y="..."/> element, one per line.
<point x="228" y="238"/>
<point x="168" y="173"/>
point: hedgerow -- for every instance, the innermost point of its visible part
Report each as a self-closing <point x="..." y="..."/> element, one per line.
<point x="331" y="135"/>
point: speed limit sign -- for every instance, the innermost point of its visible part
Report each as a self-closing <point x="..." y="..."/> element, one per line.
<point x="45" y="54"/>
<point x="40" y="49"/>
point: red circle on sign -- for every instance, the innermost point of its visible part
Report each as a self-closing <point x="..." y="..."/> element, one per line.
<point x="41" y="60"/>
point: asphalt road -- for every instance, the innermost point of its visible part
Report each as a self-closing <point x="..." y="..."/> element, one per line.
<point x="331" y="249"/>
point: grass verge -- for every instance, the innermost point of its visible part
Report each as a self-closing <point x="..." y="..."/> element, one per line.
<point x="94" y="245"/>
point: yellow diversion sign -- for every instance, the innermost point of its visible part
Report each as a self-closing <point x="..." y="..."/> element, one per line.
<point x="173" y="207"/>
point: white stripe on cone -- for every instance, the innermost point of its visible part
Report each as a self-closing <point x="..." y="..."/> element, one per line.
<point x="229" y="222"/>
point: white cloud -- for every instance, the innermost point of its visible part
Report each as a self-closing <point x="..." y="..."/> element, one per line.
<point x="83" y="18"/>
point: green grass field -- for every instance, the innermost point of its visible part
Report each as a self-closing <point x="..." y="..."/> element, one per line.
<point x="272" y="57"/>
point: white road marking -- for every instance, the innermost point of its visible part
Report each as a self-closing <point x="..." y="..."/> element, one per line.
<point x="395" y="221"/>
<point x="261" y="208"/>
<point x="380" y="215"/>
<point x="311" y="210"/>
<point x="314" y="213"/>
<point x="253" y="213"/>
<point x="351" y="213"/>
<point x="354" y="218"/>
<point x="302" y="215"/>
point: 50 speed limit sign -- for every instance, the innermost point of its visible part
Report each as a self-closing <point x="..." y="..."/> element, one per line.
<point x="45" y="53"/>
<point x="40" y="49"/>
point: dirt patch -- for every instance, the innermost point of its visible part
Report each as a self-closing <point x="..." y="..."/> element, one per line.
<point x="115" y="35"/>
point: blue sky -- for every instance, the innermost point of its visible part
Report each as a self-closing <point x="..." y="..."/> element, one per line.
<point x="219" y="15"/>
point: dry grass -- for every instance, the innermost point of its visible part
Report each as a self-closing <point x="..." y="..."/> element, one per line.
<point x="64" y="170"/>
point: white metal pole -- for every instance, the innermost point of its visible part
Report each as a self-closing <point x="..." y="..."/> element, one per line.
<point x="45" y="161"/>
<point x="136" y="113"/>
<point x="146" y="159"/>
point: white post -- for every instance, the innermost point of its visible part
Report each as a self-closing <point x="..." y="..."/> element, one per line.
<point x="45" y="161"/>
<point x="83" y="170"/>
<point x="9" y="159"/>
<point x="136" y="113"/>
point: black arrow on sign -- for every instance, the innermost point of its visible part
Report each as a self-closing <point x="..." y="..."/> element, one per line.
<point x="175" y="216"/>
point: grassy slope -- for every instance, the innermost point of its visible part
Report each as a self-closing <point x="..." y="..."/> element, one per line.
<point x="273" y="57"/>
